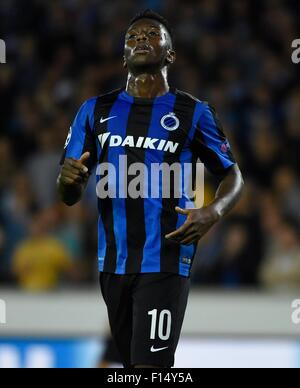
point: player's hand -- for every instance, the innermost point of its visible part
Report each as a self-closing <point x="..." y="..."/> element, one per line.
<point x="198" y="223"/>
<point x="75" y="172"/>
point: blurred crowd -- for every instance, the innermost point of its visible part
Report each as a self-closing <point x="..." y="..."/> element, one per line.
<point x="236" y="55"/>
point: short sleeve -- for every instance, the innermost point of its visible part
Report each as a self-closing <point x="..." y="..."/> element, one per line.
<point x="210" y="144"/>
<point x="81" y="137"/>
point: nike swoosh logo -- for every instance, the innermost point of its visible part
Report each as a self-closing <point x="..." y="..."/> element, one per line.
<point x="153" y="350"/>
<point x="102" y="120"/>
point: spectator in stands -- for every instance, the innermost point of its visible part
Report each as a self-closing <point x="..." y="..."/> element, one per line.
<point x="281" y="269"/>
<point x="40" y="262"/>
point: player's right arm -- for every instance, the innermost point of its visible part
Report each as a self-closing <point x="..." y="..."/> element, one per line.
<point x="79" y="158"/>
<point x="73" y="179"/>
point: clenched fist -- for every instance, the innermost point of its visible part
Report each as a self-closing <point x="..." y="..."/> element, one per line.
<point x="75" y="172"/>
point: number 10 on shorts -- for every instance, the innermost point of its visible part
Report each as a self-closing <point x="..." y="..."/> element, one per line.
<point x="164" y="324"/>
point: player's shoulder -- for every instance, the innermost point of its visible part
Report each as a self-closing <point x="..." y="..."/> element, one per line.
<point x="90" y="102"/>
<point x="105" y="97"/>
<point x="190" y="98"/>
<point x="109" y="96"/>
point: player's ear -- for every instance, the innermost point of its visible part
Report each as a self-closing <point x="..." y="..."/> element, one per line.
<point x="171" y="56"/>
<point x="124" y="62"/>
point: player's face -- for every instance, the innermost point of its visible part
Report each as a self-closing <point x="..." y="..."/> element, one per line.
<point x="147" y="44"/>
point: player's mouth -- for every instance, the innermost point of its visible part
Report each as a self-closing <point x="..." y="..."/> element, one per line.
<point x="142" y="49"/>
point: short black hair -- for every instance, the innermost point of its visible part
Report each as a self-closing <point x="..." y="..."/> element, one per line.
<point x="150" y="14"/>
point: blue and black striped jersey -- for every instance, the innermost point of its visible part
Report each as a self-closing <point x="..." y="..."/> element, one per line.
<point x="173" y="128"/>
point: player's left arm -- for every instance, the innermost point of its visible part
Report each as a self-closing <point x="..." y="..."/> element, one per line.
<point x="211" y="145"/>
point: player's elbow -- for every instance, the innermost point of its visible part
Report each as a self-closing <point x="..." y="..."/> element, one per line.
<point x="240" y="178"/>
<point x="239" y="181"/>
<point x="235" y="180"/>
<point x="237" y="175"/>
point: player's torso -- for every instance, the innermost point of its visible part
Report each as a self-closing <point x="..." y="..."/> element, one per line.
<point x="132" y="228"/>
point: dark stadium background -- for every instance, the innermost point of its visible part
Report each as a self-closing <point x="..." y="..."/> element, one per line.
<point x="234" y="54"/>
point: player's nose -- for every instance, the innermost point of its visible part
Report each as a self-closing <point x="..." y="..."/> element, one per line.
<point x="141" y="37"/>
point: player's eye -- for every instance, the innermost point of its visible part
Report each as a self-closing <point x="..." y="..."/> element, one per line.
<point x="153" y="33"/>
<point x="131" y="36"/>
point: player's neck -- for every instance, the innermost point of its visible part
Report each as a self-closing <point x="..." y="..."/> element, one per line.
<point x="147" y="85"/>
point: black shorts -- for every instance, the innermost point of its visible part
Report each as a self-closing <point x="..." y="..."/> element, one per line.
<point x="146" y="313"/>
